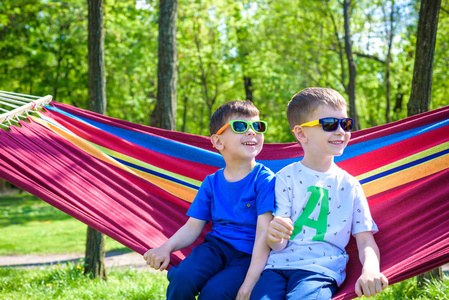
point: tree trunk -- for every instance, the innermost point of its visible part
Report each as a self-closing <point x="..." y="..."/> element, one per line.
<point x="248" y="88"/>
<point x="388" y="88"/>
<point x="351" y="65"/>
<point x="184" y="116"/>
<point x="97" y="80"/>
<point x="390" y="30"/>
<point x="399" y="99"/>
<point x="425" y="47"/>
<point x="164" y="114"/>
<point x="422" y="78"/>
<point x="94" y="256"/>
<point x="340" y="48"/>
<point x="432" y="275"/>
<point x="94" y="260"/>
<point x="209" y="100"/>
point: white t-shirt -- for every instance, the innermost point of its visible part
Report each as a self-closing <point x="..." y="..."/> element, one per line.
<point x="326" y="208"/>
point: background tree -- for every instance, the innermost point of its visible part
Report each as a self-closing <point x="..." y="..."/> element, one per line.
<point x="95" y="242"/>
<point x="281" y="49"/>
<point x="283" y="46"/>
<point x="389" y="33"/>
<point x="351" y="64"/>
<point x="164" y="114"/>
<point x="420" y="95"/>
<point x="131" y="59"/>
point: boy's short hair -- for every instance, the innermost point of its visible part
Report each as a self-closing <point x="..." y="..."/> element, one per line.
<point x="306" y="101"/>
<point x="240" y="108"/>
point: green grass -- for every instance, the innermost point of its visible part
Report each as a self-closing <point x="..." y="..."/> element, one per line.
<point x="30" y="226"/>
<point x="408" y="290"/>
<point x="68" y="282"/>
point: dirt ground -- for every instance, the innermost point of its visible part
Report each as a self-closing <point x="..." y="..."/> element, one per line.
<point x="112" y="259"/>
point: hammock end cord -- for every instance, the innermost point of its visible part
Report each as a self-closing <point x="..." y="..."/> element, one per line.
<point x="30" y="106"/>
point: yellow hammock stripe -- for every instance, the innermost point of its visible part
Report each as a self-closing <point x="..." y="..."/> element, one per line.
<point x="405" y="176"/>
<point x="405" y="160"/>
<point x="183" y="192"/>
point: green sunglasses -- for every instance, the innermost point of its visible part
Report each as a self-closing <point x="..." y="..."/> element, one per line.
<point x="240" y="126"/>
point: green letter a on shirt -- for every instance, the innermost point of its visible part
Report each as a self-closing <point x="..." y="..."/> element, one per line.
<point x="316" y="193"/>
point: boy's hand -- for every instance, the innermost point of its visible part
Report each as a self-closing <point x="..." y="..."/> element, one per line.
<point x="369" y="284"/>
<point x="157" y="258"/>
<point x="280" y="229"/>
<point x="244" y="292"/>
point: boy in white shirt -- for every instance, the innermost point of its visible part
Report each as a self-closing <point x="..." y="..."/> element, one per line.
<point x="318" y="207"/>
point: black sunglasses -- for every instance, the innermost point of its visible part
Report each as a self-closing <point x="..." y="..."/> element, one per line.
<point x="331" y="124"/>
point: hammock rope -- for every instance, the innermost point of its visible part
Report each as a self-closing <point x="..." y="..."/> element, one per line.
<point x="134" y="183"/>
<point x="21" y="104"/>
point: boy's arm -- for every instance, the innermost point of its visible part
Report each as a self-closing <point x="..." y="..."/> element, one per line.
<point x="259" y="257"/>
<point x="371" y="281"/>
<point x="159" y="258"/>
<point x="279" y="233"/>
<point x="281" y="228"/>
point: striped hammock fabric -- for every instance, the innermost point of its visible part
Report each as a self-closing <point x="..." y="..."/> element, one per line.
<point x="134" y="183"/>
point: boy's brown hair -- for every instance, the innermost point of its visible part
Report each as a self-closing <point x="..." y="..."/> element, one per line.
<point x="306" y="101"/>
<point x="240" y="108"/>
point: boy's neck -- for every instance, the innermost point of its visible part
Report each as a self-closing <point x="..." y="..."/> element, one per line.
<point x="235" y="171"/>
<point x="320" y="165"/>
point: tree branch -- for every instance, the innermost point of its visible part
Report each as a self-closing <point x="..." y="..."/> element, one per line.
<point x="369" y="56"/>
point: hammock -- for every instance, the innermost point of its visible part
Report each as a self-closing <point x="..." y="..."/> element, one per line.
<point x="134" y="183"/>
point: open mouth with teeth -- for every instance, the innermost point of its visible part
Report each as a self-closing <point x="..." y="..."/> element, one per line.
<point x="250" y="143"/>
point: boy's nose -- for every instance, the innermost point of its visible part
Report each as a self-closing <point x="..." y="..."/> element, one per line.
<point x="250" y="131"/>
<point x="339" y="130"/>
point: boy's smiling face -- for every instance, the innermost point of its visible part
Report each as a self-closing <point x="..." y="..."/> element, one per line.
<point x="239" y="146"/>
<point x="324" y="145"/>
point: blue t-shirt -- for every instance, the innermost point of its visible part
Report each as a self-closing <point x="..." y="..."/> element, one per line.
<point x="233" y="207"/>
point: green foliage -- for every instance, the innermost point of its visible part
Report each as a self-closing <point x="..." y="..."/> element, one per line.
<point x="283" y="46"/>
<point x="42" y="47"/>
<point x="131" y="60"/>
<point x="440" y="86"/>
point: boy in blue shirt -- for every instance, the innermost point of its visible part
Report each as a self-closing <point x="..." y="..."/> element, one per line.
<point x="318" y="207"/>
<point x="238" y="200"/>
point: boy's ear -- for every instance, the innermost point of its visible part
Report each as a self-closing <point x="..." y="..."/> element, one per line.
<point x="299" y="134"/>
<point x="216" y="142"/>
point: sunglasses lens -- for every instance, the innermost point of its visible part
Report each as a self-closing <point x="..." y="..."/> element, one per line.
<point x="347" y="124"/>
<point x="259" y="127"/>
<point x="330" y="124"/>
<point x="239" y="126"/>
